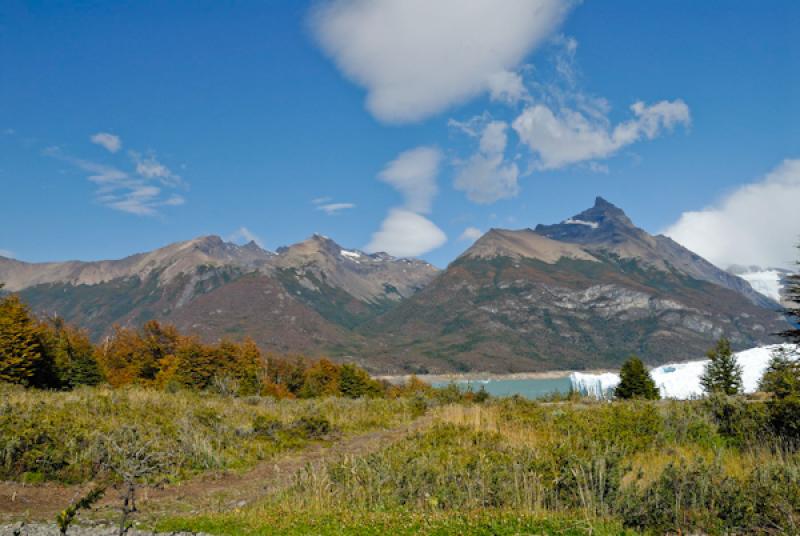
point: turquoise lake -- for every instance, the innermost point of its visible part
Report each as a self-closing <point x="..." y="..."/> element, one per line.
<point x="529" y="388"/>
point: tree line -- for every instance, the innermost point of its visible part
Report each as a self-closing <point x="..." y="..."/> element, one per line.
<point x="51" y="354"/>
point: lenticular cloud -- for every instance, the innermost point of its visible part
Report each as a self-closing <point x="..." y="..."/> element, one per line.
<point x="416" y="58"/>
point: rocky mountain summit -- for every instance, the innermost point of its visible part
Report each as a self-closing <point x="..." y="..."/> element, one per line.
<point x="607" y="230"/>
<point x="583" y="293"/>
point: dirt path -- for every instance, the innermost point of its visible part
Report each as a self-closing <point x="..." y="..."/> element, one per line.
<point x="211" y="492"/>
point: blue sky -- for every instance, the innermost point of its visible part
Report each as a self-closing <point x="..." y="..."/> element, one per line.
<point x="435" y="121"/>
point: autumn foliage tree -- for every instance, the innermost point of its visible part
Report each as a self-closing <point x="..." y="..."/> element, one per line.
<point x="159" y="356"/>
<point x="22" y="356"/>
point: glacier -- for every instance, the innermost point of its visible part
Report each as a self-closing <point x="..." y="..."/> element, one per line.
<point x="766" y="282"/>
<point x="682" y="380"/>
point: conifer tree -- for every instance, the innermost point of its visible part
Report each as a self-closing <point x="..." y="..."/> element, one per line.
<point x="792" y="295"/>
<point x="782" y="377"/>
<point x="72" y="354"/>
<point x="354" y="382"/>
<point x="722" y="374"/>
<point x="636" y="382"/>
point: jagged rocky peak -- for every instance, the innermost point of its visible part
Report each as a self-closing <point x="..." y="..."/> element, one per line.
<point x="604" y="222"/>
<point x="319" y="247"/>
<point x="215" y="250"/>
<point x="367" y="277"/>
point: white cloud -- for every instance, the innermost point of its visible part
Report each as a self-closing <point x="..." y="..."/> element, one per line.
<point x="470" y="234"/>
<point x="486" y="177"/>
<point x="758" y="224"/>
<point x="416" y="58"/>
<point x="406" y="234"/>
<point x="140" y="192"/>
<point x="7" y="253"/>
<point x="507" y="87"/>
<point x="110" y="142"/>
<point x="244" y="235"/>
<point x="149" y="167"/>
<point x="568" y="135"/>
<point x="413" y="173"/>
<point x="332" y="209"/>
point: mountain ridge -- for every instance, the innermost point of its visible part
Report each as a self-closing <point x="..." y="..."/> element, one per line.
<point x="582" y="293"/>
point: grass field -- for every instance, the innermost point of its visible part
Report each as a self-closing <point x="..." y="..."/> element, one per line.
<point x="423" y="465"/>
<point x="64" y="436"/>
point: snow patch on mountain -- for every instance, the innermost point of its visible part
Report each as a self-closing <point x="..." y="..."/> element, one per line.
<point x="573" y="221"/>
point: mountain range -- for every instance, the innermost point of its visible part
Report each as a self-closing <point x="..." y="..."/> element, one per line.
<point x="583" y="293"/>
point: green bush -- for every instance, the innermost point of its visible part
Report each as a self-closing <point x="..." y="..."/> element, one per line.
<point x="312" y="427"/>
<point x="737" y="420"/>
<point x="784" y="418"/>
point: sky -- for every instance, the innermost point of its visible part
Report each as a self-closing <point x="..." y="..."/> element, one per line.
<point x="405" y="126"/>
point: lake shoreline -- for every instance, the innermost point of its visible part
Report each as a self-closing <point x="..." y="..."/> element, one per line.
<point x="484" y="376"/>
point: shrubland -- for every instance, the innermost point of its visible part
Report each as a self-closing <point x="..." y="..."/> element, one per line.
<point x="709" y="466"/>
<point x="66" y="436"/>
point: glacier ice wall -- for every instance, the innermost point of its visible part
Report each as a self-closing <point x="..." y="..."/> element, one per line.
<point x="595" y="385"/>
<point x="682" y="380"/>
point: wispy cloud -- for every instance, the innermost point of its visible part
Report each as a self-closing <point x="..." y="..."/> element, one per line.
<point x="326" y="205"/>
<point x="556" y="123"/>
<point x="486" y="177"/>
<point x="141" y="191"/>
<point x="7" y="253"/>
<point x="149" y="167"/>
<point x="413" y="174"/>
<point x="243" y="234"/>
<point x="110" y="142"/>
<point x="564" y="125"/>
